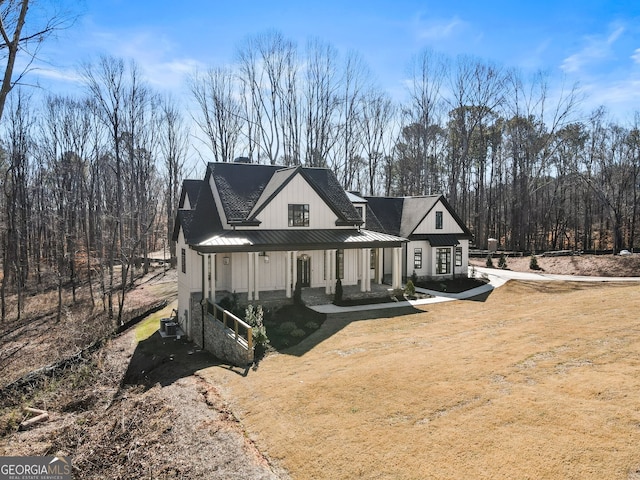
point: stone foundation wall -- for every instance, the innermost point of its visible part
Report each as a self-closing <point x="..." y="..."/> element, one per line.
<point x="217" y="340"/>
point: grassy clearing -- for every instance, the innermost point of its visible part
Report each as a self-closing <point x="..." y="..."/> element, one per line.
<point x="150" y="325"/>
<point x="539" y="381"/>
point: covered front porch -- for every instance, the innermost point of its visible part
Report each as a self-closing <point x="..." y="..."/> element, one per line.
<point x="263" y="265"/>
<point x="310" y="296"/>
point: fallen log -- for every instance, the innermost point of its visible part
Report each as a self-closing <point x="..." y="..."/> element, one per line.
<point x="41" y="416"/>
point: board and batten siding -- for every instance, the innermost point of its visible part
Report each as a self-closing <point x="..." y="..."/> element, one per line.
<point x="188" y="282"/>
<point x="428" y="224"/>
<point x="297" y="192"/>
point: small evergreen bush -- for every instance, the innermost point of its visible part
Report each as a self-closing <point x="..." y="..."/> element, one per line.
<point x="286" y="328"/>
<point x="410" y="289"/>
<point x="533" y="263"/>
<point x="502" y="263"/>
<point x="337" y="297"/>
<point x="311" y="325"/>
<point x="297" y="295"/>
<point x="489" y="261"/>
<point x="414" y="277"/>
<point x="298" y="333"/>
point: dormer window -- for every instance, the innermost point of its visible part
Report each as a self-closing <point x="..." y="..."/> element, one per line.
<point x="360" y="211"/>
<point x="299" y="215"/>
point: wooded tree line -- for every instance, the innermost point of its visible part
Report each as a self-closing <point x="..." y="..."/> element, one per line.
<point x="518" y="161"/>
<point x="89" y="185"/>
<point x="90" y="182"/>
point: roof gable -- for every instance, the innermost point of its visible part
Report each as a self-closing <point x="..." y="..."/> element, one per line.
<point x="440" y="201"/>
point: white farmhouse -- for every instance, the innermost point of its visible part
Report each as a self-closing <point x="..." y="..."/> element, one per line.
<point x="249" y="228"/>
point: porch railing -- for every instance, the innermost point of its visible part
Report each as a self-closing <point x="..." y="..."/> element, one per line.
<point x="242" y="330"/>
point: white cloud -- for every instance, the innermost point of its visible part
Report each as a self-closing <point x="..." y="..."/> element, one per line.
<point x="598" y="48"/>
<point x="636" y="56"/>
<point x="439" y="29"/>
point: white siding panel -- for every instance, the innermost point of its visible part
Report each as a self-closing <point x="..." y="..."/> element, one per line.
<point x="276" y="214"/>
<point x="428" y="224"/>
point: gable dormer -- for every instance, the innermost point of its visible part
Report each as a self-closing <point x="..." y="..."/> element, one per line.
<point x="360" y="204"/>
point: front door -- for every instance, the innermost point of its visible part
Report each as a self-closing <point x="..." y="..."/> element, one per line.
<point x="304" y="271"/>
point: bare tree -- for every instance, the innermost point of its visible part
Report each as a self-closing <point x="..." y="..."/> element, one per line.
<point x="220" y="111"/>
<point x="173" y="145"/>
<point x="320" y="102"/>
<point x="18" y="35"/>
<point x="377" y="111"/>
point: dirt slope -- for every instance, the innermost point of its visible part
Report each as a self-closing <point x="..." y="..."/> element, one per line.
<point x="590" y="265"/>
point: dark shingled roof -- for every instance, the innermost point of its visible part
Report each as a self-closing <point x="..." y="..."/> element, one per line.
<point x="190" y="189"/>
<point x="240" y="185"/>
<point x="372" y="221"/>
<point x="388" y="211"/>
<point x="401" y="215"/>
<point x="246" y="188"/>
<point x="201" y="223"/>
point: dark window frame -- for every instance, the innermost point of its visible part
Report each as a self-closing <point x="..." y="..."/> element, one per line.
<point x="417" y="258"/>
<point x="298" y="214"/>
<point x="443" y="259"/>
<point x="439" y="220"/>
<point x="458" y="256"/>
<point x="183" y="260"/>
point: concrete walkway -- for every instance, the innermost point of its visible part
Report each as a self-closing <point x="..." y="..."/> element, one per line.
<point x="496" y="278"/>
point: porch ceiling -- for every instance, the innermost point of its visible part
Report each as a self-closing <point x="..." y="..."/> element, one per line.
<point x="281" y="240"/>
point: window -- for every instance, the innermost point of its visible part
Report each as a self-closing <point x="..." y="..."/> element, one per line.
<point x="299" y="215"/>
<point x="417" y="258"/>
<point x="360" y="212"/>
<point x="183" y="260"/>
<point x="458" y="256"/>
<point x="443" y="261"/>
<point x="372" y="259"/>
<point x="439" y="220"/>
<point x="339" y="264"/>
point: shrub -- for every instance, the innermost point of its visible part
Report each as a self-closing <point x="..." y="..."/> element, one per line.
<point x="533" y="263"/>
<point x="414" y="277"/>
<point x="298" y="333"/>
<point x="410" y="289"/>
<point x="489" y="261"/>
<point x="502" y="263"/>
<point x="231" y="303"/>
<point x="337" y="298"/>
<point x="311" y="326"/>
<point x="254" y="317"/>
<point x="286" y="328"/>
<point x="297" y="295"/>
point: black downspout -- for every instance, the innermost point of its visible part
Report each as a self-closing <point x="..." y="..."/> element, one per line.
<point x="202" y="302"/>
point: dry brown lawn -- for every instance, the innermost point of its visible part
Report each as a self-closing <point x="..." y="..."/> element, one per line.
<point x="539" y="381"/>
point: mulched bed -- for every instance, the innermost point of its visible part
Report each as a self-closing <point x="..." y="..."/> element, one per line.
<point x="457" y="285"/>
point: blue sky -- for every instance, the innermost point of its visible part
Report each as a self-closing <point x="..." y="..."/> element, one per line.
<point x="595" y="43"/>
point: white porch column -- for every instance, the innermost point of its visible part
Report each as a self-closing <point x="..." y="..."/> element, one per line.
<point x="211" y="261"/>
<point x="287" y="273"/>
<point x="332" y="271"/>
<point x="396" y="269"/>
<point x="256" y="276"/>
<point x="327" y="272"/>
<point x="294" y="268"/>
<point x="367" y="270"/>
<point x="363" y="269"/>
<point x="208" y="277"/>
<point x="250" y="266"/>
<point x="380" y="270"/>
